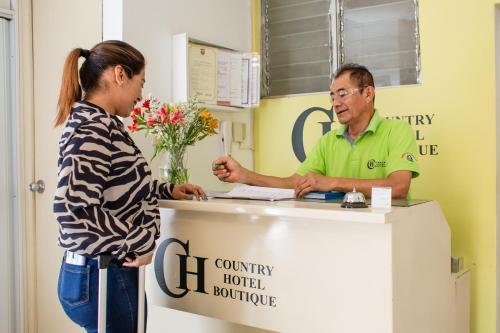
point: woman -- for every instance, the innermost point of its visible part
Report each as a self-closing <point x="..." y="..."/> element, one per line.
<point x="106" y="200"/>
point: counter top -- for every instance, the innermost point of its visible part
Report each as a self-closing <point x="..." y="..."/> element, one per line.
<point x="288" y="208"/>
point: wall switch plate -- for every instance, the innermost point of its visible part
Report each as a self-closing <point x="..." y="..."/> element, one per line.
<point x="239" y="132"/>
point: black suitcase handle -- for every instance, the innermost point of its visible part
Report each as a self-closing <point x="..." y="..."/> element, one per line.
<point x="103" y="260"/>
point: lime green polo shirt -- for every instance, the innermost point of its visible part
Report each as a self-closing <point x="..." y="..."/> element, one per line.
<point x="387" y="145"/>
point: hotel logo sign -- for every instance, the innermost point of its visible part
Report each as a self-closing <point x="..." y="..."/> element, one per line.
<point x="238" y="280"/>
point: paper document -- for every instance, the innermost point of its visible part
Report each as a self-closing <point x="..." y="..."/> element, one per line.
<point x="202" y="73"/>
<point x="256" y="193"/>
<point x="223" y="78"/>
<point x="255" y="80"/>
<point x="245" y="79"/>
<point x="235" y="74"/>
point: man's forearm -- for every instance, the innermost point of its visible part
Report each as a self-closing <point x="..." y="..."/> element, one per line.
<point x="399" y="189"/>
<point x="257" y="179"/>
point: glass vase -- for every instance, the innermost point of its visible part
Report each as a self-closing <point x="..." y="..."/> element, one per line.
<point x="173" y="167"/>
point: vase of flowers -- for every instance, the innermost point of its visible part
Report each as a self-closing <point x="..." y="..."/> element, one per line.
<point x="173" y="166"/>
<point x="173" y="127"/>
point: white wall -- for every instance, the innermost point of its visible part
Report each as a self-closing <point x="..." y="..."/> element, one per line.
<point x="5" y="4"/>
<point x="150" y="25"/>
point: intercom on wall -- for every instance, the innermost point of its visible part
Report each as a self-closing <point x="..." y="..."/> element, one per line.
<point x="230" y="132"/>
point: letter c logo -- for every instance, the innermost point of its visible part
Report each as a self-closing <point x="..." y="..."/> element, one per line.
<point x="158" y="265"/>
<point x="298" y="130"/>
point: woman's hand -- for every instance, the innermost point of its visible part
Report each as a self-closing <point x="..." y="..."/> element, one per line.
<point x="187" y="191"/>
<point x="137" y="262"/>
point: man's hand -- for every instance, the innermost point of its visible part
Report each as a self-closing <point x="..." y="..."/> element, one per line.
<point x="228" y="170"/>
<point x="313" y="182"/>
<point x="137" y="262"/>
<point x="187" y="191"/>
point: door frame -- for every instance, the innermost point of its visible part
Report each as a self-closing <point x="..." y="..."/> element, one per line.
<point x="24" y="163"/>
<point x="9" y="287"/>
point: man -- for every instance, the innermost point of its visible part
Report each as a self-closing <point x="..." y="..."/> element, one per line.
<point x="367" y="151"/>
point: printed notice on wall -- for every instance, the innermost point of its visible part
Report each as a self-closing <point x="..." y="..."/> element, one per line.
<point x="235" y="73"/>
<point x="223" y="78"/>
<point x="255" y="80"/>
<point x="245" y="80"/>
<point x="203" y="73"/>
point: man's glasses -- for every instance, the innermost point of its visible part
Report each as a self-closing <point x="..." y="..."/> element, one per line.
<point x="343" y="93"/>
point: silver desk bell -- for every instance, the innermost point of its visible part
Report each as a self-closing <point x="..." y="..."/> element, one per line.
<point x="354" y="200"/>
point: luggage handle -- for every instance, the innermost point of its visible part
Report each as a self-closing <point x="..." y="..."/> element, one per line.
<point x="103" y="261"/>
<point x="141" y="299"/>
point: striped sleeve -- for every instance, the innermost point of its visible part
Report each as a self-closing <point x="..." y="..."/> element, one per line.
<point x="86" y="227"/>
<point x="163" y="191"/>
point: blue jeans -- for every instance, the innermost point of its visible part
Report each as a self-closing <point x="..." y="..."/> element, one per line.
<point x="78" y="287"/>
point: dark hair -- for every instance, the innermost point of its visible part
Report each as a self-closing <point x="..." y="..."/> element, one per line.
<point x="358" y="74"/>
<point x="102" y="56"/>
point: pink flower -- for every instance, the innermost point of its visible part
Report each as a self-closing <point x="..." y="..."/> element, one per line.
<point x="146" y="104"/>
<point x="163" y="114"/>
<point x="177" y="118"/>
<point x="151" y="120"/>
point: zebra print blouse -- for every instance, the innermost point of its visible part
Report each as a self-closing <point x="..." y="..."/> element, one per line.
<point x="106" y="199"/>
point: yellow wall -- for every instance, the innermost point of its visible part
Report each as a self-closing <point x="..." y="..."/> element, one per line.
<point x="458" y="86"/>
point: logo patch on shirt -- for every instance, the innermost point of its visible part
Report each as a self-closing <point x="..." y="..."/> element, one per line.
<point x="375" y="164"/>
<point x="408" y="156"/>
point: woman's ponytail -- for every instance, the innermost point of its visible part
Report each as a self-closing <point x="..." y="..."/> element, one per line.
<point x="70" y="86"/>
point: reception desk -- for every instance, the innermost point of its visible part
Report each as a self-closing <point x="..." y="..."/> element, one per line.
<point x="295" y="266"/>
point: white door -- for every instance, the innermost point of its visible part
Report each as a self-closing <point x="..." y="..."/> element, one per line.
<point x="58" y="26"/>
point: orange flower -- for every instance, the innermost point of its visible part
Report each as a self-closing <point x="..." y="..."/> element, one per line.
<point x="205" y="114"/>
<point x="213" y="123"/>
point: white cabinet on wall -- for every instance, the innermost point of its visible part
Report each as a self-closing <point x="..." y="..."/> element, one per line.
<point x="220" y="77"/>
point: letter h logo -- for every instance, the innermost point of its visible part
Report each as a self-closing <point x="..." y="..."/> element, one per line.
<point x="183" y="270"/>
